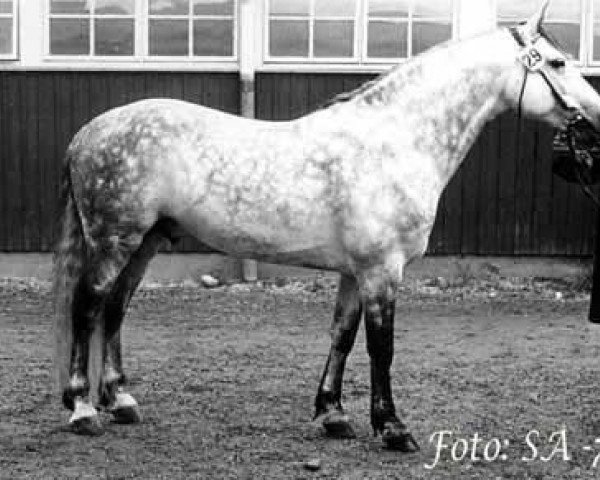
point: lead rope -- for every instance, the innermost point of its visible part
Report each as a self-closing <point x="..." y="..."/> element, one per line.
<point x="585" y="188"/>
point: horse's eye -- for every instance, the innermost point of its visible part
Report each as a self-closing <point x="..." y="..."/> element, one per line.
<point x="557" y="63"/>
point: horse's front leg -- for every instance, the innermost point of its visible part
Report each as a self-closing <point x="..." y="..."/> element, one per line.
<point x="345" y="323"/>
<point x="379" y="325"/>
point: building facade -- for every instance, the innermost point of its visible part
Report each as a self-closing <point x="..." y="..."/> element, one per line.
<point x="62" y="62"/>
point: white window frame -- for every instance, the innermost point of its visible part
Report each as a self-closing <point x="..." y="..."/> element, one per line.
<point x="311" y="18"/>
<point x="361" y="19"/>
<point x="141" y="53"/>
<point x="410" y="20"/>
<point x="190" y="17"/>
<point x="48" y="16"/>
<point x="14" y="55"/>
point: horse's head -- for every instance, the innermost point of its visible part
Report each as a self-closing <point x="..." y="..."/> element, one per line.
<point x="545" y="85"/>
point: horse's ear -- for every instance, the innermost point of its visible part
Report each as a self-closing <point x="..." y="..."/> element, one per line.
<point x="534" y="24"/>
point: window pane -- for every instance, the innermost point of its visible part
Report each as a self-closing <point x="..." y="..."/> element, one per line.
<point x="517" y="9"/>
<point x="168" y="37"/>
<point x="335" y="8"/>
<point x="427" y="34"/>
<point x="387" y="40"/>
<point x="289" y="7"/>
<point x="596" y="45"/>
<point x="6" y="35"/>
<point x="114" y="36"/>
<point x="567" y="35"/>
<point x="69" y="6"/>
<point x="169" y="7"/>
<point x="434" y="8"/>
<point x="69" y="36"/>
<point x="115" y="7"/>
<point x="288" y="38"/>
<point x="597" y="41"/>
<point x="6" y="6"/>
<point x="565" y="10"/>
<point x="213" y="7"/>
<point x="334" y="38"/>
<point x="388" y="8"/>
<point x="213" y="38"/>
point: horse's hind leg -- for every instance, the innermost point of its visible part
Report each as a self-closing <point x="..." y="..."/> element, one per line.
<point x="121" y="404"/>
<point x="379" y="325"/>
<point x="343" y="333"/>
<point x="89" y="296"/>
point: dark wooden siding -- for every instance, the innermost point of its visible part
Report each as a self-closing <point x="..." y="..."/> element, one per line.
<point x="39" y="114"/>
<point x="496" y="204"/>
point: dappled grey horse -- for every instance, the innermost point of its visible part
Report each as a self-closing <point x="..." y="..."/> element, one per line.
<point x="353" y="188"/>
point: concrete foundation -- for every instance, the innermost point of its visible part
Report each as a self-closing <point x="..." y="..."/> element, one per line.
<point x="181" y="267"/>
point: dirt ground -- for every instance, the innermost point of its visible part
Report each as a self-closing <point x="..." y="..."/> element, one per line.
<point x="226" y="379"/>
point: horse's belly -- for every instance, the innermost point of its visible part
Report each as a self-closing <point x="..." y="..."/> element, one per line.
<point x="297" y="237"/>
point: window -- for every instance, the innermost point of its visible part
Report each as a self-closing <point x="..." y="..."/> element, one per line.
<point x="92" y="27"/>
<point x="312" y="28"/>
<point x="356" y="30"/>
<point x="563" y="20"/>
<point x="595" y="40"/>
<point x="8" y="29"/>
<point x="203" y="28"/>
<point x="400" y="29"/>
<point x="142" y="28"/>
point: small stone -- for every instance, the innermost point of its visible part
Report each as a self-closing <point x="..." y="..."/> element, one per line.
<point x="313" y="465"/>
<point x="209" y="281"/>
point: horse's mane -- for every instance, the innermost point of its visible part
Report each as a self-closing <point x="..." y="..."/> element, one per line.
<point x="411" y="63"/>
<point x="365" y="87"/>
<point x="362" y="88"/>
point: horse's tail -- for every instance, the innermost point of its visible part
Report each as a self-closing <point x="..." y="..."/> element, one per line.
<point x="69" y="263"/>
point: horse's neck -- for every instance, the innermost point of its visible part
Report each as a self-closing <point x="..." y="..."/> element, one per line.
<point x="441" y="101"/>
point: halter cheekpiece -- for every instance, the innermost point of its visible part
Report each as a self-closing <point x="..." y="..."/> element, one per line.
<point x="534" y="62"/>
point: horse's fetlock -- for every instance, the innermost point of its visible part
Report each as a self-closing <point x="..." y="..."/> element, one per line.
<point x="382" y="412"/>
<point x="78" y="383"/>
<point x="112" y="376"/>
<point x="78" y="387"/>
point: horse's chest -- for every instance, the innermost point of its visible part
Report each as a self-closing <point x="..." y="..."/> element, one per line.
<point x="391" y="218"/>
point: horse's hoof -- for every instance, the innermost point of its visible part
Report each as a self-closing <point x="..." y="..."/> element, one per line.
<point x="337" y="425"/>
<point x="84" y="420"/>
<point x="89" y="426"/>
<point x="396" y="437"/>
<point x="125" y="409"/>
<point x="127" y="415"/>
